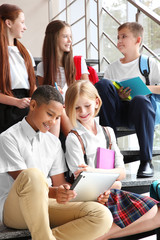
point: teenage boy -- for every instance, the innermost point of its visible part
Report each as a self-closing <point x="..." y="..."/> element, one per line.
<point x="139" y="112"/>
<point x="31" y="159"/>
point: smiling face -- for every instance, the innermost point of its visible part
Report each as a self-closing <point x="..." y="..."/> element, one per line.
<point x="64" y="40"/>
<point x="43" y="117"/>
<point x="17" y="27"/>
<point x="85" y="109"/>
<point x="127" y="42"/>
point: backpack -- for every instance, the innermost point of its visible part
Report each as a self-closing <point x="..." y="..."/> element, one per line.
<point x="93" y="77"/>
<point x="144" y="67"/>
<point x="155" y="98"/>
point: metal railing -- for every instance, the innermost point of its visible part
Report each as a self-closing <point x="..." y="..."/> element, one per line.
<point x="141" y="8"/>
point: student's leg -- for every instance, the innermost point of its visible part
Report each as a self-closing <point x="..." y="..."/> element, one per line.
<point x="27" y="205"/>
<point x="110" y="111"/>
<point x="147" y="222"/>
<point x="142" y="115"/>
<point x="86" y="220"/>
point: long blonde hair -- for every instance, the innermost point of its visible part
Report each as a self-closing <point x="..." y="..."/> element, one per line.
<point x="80" y="88"/>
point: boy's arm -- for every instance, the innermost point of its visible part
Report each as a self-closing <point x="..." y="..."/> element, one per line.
<point x="154" y="89"/>
<point x="15" y="174"/>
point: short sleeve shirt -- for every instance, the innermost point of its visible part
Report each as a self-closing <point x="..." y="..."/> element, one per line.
<point x="18" y="71"/>
<point x="119" y="71"/>
<point x="74" y="153"/>
<point x="21" y="148"/>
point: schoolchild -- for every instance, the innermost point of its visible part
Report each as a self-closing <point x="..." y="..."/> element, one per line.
<point x="33" y="190"/>
<point x="138" y="113"/>
<point x="58" y="64"/>
<point x="17" y="78"/>
<point x="132" y="213"/>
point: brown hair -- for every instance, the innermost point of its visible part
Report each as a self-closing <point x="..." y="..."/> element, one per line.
<point x="80" y="88"/>
<point x="134" y="27"/>
<point x="11" y="12"/>
<point x="50" y="55"/>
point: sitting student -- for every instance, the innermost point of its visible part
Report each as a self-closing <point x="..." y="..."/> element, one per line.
<point x="139" y="112"/>
<point x="30" y="159"/>
<point x="58" y="65"/>
<point x="132" y="213"/>
<point x="17" y="78"/>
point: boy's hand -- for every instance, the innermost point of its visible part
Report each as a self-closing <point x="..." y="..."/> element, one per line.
<point x="82" y="168"/>
<point x="103" y="198"/>
<point x="64" y="194"/>
<point x="124" y="92"/>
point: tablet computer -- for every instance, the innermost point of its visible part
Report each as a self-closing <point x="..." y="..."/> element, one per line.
<point x="89" y="185"/>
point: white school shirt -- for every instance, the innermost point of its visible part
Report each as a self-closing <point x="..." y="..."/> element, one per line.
<point x="119" y="71"/>
<point x="21" y="148"/>
<point x="18" y="71"/>
<point x="62" y="82"/>
<point x="74" y="154"/>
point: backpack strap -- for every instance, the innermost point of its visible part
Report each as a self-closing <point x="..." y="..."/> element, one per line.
<point x="82" y="144"/>
<point x="108" y="137"/>
<point x="77" y="63"/>
<point x="144" y="67"/>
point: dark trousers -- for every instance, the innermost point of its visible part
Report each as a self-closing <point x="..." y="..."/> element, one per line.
<point x="137" y="113"/>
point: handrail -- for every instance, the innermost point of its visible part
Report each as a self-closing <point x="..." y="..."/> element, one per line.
<point x="141" y="7"/>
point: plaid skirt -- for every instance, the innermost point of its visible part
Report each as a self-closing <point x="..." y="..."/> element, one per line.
<point x="127" y="207"/>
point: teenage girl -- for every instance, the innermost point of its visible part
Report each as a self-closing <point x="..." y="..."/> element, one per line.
<point x="132" y="213"/>
<point x="17" y="78"/>
<point x="58" y="64"/>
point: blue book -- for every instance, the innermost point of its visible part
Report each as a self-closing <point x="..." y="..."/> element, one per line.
<point x="137" y="86"/>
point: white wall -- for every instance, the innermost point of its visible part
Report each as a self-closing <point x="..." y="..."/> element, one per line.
<point x="36" y="19"/>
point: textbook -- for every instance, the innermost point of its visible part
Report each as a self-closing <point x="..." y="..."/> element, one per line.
<point x="137" y="86"/>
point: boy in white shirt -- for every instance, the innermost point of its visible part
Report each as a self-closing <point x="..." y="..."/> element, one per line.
<point x="139" y="112"/>
<point x="33" y="190"/>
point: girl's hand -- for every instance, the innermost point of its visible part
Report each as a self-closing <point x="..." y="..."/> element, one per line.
<point x="103" y="198"/>
<point x="64" y="194"/>
<point x="124" y="92"/>
<point x="23" y="102"/>
<point x="83" y="168"/>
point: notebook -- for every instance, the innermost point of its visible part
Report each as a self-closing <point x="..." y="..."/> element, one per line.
<point x="89" y="185"/>
<point x="137" y="86"/>
<point x="105" y="158"/>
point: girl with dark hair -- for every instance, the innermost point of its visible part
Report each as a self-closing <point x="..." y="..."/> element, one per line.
<point x="17" y="78"/>
<point x="58" y="64"/>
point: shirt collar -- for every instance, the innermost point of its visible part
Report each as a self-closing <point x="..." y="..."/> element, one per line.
<point x="29" y="131"/>
<point x="81" y="129"/>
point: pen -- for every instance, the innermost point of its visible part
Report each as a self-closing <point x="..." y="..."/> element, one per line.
<point x="56" y="85"/>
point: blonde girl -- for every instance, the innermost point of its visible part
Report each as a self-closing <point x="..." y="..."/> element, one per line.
<point x="132" y="213"/>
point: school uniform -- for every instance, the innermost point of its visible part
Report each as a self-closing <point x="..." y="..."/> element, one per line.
<point x="138" y="114"/>
<point x="61" y="79"/>
<point x="20" y="88"/>
<point x="126" y="207"/>
<point x="24" y="202"/>
<point x="22" y="148"/>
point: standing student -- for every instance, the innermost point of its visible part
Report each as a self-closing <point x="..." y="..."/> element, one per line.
<point x="33" y="190"/>
<point x="132" y="213"/>
<point x="57" y="64"/>
<point x="17" y="78"/>
<point x="138" y="113"/>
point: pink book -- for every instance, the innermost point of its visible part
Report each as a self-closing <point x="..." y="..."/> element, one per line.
<point x="105" y="158"/>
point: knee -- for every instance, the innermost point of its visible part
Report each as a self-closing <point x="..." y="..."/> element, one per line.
<point x="103" y="84"/>
<point x="101" y="215"/>
<point x="31" y="179"/>
<point x="140" y="101"/>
